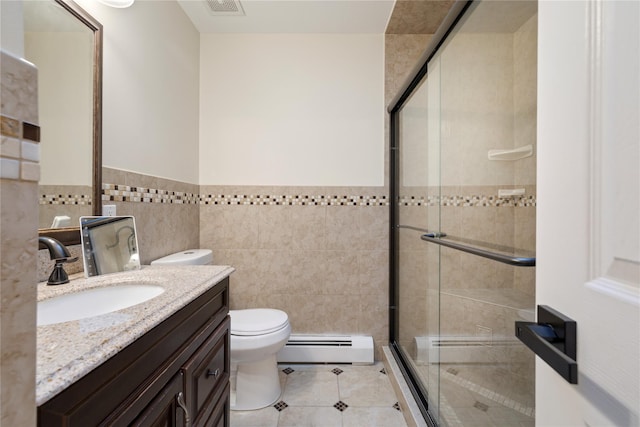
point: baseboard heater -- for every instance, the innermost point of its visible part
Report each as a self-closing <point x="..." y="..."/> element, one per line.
<point x="355" y="349"/>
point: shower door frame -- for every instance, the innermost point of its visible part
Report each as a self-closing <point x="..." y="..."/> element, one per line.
<point x="416" y="77"/>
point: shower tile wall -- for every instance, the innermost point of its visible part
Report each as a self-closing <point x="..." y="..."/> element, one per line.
<point x="18" y="225"/>
<point x="318" y="253"/>
<point x="479" y="214"/>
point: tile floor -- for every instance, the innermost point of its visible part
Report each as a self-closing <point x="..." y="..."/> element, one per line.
<point x="329" y="396"/>
<point x="477" y="395"/>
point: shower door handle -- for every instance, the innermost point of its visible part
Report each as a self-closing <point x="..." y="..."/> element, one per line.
<point x="553" y="339"/>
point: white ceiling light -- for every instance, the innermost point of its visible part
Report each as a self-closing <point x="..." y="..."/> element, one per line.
<point x="117" y="3"/>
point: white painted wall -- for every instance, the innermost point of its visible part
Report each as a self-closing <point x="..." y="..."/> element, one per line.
<point x="65" y="104"/>
<point x="292" y="109"/>
<point x="150" y="89"/>
<point x="11" y="27"/>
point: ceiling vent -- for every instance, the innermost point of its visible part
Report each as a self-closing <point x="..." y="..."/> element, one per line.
<point x="225" y="7"/>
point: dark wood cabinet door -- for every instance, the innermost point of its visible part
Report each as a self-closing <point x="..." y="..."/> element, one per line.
<point x="207" y="373"/>
<point x="165" y="410"/>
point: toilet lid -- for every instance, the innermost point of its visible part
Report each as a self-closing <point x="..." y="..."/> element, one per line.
<point x="257" y="321"/>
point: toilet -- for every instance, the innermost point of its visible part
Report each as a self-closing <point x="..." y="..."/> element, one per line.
<point x="188" y="257"/>
<point x="256" y="337"/>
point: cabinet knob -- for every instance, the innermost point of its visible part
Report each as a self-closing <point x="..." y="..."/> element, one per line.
<point x="213" y="374"/>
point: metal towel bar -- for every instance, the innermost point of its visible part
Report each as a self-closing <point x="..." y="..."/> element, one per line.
<point x="518" y="261"/>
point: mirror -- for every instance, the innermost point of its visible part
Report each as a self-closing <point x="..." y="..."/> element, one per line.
<point x="65" y="43"/>
<point x="109" y="244"/>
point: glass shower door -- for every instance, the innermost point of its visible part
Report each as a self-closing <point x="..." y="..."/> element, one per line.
<point x="465" y="220"/>
<point x="488" y="109"/>
<point x="418" y="212"/>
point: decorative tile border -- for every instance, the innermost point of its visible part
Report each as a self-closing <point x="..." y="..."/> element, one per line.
<point x="68" y="199"/>
<point x="293" y="200"/>
<point x="468" y="201"/>
<point x="125" y="193"/>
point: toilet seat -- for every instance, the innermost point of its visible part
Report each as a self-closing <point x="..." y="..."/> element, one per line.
<point x="257" y="321"/>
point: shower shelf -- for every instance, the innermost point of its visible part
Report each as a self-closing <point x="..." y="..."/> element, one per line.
<point x="511" y="154"/>
<point x="517" y="260"/>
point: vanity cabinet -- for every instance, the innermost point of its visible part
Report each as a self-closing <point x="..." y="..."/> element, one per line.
<point x="177" y="374"/>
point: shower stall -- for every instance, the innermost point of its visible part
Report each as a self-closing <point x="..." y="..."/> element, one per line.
<point x="463" y="167"/>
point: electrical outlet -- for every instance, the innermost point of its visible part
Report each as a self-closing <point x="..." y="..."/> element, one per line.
<point x="108" y="210"/>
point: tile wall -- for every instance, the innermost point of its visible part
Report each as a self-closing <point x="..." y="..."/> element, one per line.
<point x="318" y="253"/>
<point x="166" y="211"/>
<point x="70" y="200"/>
<point x="19" y="175"/>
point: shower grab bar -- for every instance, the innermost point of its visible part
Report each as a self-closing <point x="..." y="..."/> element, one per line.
<point x="422" y="230"/>
<point x="517" y="261"/>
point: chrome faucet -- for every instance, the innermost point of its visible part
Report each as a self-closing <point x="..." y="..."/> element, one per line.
<point x="60" y="254"/>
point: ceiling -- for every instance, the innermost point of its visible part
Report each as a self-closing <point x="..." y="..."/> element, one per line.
<point x="294" y="16"/>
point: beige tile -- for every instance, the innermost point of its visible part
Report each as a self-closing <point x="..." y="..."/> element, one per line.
<point x="306" y="273"/>
<point x="274" y="227"/>
<point x="309" y="416"/>
<point x="341" y="273"/>
<point x="18" y="91"/>
<point x="366" y="386"/>
<point x="343" y="228"/>
<point x="10" y="147"/>
<point x="113" y="176"/>
<point x="267" y="417"/>
<point x="18" y="225"/>
<point x="308" y="227"/>
<point x="373" y="272"/>
<point x="229" y="227"/>
<point x="311" y="388"/>
<point x="374" y="228"/>
<point x="372" y="417"/>
<point x="138" y="180"/>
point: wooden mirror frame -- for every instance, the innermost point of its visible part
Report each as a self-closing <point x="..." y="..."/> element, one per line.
<point x="71" y="235"/>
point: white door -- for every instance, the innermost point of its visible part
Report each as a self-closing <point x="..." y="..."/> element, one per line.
<point x="588" y="233"/>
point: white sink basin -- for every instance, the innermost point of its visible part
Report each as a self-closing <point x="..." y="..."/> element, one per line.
<point x="94" y="302"/>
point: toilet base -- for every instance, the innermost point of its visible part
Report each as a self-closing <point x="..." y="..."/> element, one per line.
<point x="255" y="385"/>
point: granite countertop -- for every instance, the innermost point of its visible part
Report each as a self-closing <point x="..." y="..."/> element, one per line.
<point x="68" y="351"/>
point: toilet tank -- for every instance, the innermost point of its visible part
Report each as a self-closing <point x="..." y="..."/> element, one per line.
<point x="188" y="257"/>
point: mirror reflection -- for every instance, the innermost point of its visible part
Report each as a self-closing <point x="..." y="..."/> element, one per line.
<point x="109" y="244"/>
<point x="63" y="42"/>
